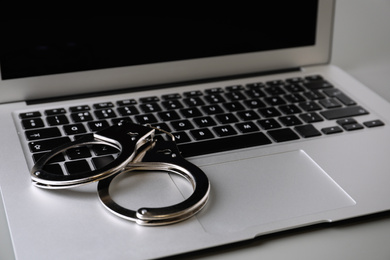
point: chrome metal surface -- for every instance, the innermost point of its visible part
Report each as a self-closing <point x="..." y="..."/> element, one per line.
<point x="161" y="156"/>
<point x="126" y="137"/>
<point x="139" y="151"/>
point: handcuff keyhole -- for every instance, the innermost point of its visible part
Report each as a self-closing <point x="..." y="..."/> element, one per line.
<point x="133" y="135"/>
<point x="167" y="152"/>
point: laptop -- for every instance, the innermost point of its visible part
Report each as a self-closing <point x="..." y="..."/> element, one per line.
<point x="286" y="139"/>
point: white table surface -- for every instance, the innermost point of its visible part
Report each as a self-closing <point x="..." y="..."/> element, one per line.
<point x="361" y="46"/>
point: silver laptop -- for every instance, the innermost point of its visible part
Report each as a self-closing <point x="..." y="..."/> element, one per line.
<point x="286" y="139"/>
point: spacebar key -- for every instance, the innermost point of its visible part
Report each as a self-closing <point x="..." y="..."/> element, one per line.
<point x="223" y="144"/>
<point x="344" y="112"/>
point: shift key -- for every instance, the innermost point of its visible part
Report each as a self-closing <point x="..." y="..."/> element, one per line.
<point x="47" y="145"/>
<point x="344" y="112"/>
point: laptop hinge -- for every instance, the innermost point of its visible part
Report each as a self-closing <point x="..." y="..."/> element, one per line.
<point x="153" y="87"/>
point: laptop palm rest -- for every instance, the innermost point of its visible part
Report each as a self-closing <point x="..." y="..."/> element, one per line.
<point x="266" y="189"/>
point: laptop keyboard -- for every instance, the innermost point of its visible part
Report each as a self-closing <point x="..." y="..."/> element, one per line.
<point x="203" y="122"/>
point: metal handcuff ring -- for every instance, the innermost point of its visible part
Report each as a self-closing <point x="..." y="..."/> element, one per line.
<point x="139" y="151"/>
<point x="161" y="156"/>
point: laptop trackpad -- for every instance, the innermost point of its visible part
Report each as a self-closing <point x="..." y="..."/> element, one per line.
<point x="266" y="189"/>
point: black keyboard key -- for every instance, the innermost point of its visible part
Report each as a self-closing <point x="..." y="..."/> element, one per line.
<point x="313" y="78"/>
<point x="172" y="104"/>
<point x="275" y="90"/>
<point x="202" y="134"/>
<point x="57" y="120"/>
<point x="353" y="127"/>
<point x="344" y="112"/>
<point x="32" y="123"/>
<point x="126" y="102"/>
<point x="294" y="88"/>
<point x="78" y="153"/>
<point x="181" y="125"/>
<point x="100" y="162"/>
<point x="74" y="129"/>
<point x="268" y="124"/>
<point x="276" y="82"/>
<point x="248" y="115"/>
<point x="256" y="85"/>
<point x="30" y="114"/>
<point x="121" y="120"/>
<point x="247" y="127"/>
<point x="294" y="80"/>
<point x="103" y="105"/>
<point x="225" y="130"/>
<point x="53" y="112"/>
<point x="146" y="119"/>
<point x="346" y="121"/>
<point x="214" y="91"/>
<point x="294" y="98"/>
<point x="310" y="106"/>
<point x="319" y="84"/>
<point x="191" y="112"/>
<point x="269" y="112"/>
<point x="181" y="137"/>
<point x="75" y="167"/>
<point x="254" y="103"/>
<point x="152" y="99"/>
<point x="226" y="118"/>
<point x="205" y="121"/>
<point x="172" y="96"/>
<point x="374" y="123"/>
<point x="150" y="107"/>
<point x="193" y="101"/>
<point x="234" y="96"/>
<point x="313" y="95"/>
<point x="105" y="113"/>
<point x="331" y="130"/>
<point x="98" y="125"/>
<point x="81" y="117"/>
<point x="128" y="111"/>
<point x="311" y="117"/>
<point x="340" y="96"/>
<point x="212" y="109"/>
<point x="290" y="109"/>
<point x="43" y="133"/>
<point x="275" y="101"/>
<point x="307" y="131"/>
<point x="330" y="103"/>
<point x="79" y="108"/>
<point x="290" y="120"/>
<point x="194" y="93"/>
<point x="255" y="93"/>
<point x="283" y="135"/>
<point x="169" y="115"/>
<point x="47" y="145"/>
<point x="214" y="99"/>
<point x="234" y="88"/>
<point x="233" y="106"/>
<point x="223" y="144"/>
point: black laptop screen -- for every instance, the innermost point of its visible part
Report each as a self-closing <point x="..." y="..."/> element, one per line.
<point x="43" y="47"/>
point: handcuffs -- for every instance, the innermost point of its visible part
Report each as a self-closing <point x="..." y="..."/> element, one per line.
<point x="139" y="151"/>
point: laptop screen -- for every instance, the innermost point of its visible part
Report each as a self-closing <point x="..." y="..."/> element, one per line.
<point x="45" y="47"/>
